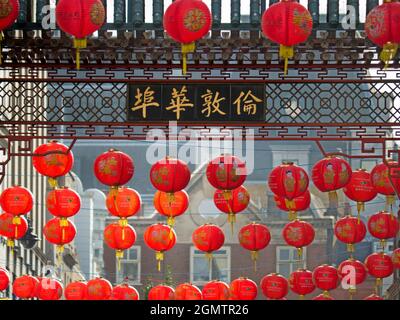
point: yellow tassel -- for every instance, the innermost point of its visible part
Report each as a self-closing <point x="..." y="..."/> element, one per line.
<point x="1" y="51"/>
<point x="350" y="247"/>
<point x="333" y="198"/>
<point x="326" y="294"/>
<point x="292" y="215"/>
<point x="79" y="44"/>
<point x="232" y="220"/>
<point x="388" y="53"/>
<point x="286" y="53"/>
<point x="300" y="253"/>
<point x="186" y="48"/>
<point x="301" y="297"/>
<point x="378" y="283"/>
<point x="10" y="243"/>
<point x="16" y="220"/>
<point x="52" y="182"/>
<point x="254" y="257"/>
<point x="123" y="222"/>
<point x="119" y="254"/>
<point x="171" y="221"/>
<point x="159" y="258"/>
<point x="383" y="244"/>
<point x="390" y="201"/>
<point x="360" y="208"/>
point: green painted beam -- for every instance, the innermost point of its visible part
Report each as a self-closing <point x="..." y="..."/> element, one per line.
<point x="216" y="12"/>
<point x="158" y="12"/>
<point x="255" y="14"/>
<point x="119" y="11"/>
<point x="235" y="12"/>
<point x="333" y="11"/>
<point x="138" y="13"/>
<point x="313" y="7"/>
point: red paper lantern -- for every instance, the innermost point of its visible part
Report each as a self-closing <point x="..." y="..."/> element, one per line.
<point x="326" y="278"/>
<point x="25" y="287"/>
<point x="58" y="233"/>
<point x="63" y="202"/>
<point x="9" y="11"/>
<point x="232" y="202"/>
<point x="80" y="18"/>
<point x="123" y="202"/>
<point x="11" y="230"/>
<point x="187" y="21"/>
<point x="288" y="181"/>
<point x="113" y="168"/>
<point x="381" y="25"/>
<point x="53" y="160"/>
<point x="171" y="205"/>
<point x="254" y="237"/>
<point x="124" y="292"/>
<point x="76" y="291"/>
<point x="360" y="189"/>
<point x="16" y="200"/>
<point x="119" y="237"/>
<point x="354" y="273"/>
<point x="350" y="230"/>
<point x="99" y="289"/>
<point x="299" y="204"/>
<point x="208" y="238"/>
<point x="274" y="286"/>
<point x="215" y="290"/>
<point x="323" y="296"/>
<point x="161" y="292"/>
<point x="170" y="175"/>
<point x="373" y="297"/>
<point x="243" y="289"/>
<point x="383" y="226"/>
<point x="161" y="238"/>
<point x="187" y="291"/>
<point x="379" y="265"/>
<point x="4" y="279"/>
<point x="49" y="289"/>
<point x="301" y="282"/>
<point x="396" y="258"/>
<point x="331" y="174"/>
<point x="382" y="182"/>
<point x="298" y="234"/>
<point x="226" y="172"/>
<point x="287" y="23"/>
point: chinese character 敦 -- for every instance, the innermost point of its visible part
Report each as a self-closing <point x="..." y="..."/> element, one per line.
<point x="144" y="100"/>
<point x="246" y="102"/>
<point x="212" y="103"/>
<point x="179" y="102"/>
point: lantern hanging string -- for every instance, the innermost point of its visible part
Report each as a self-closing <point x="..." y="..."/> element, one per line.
<point x="231" y="215"/>
<point x="254" y="257"/>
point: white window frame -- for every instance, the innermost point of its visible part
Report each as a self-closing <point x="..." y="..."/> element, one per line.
<point x="138" y="261"/>
<point x="290" y="262"/>
<point x="193" y="255"/>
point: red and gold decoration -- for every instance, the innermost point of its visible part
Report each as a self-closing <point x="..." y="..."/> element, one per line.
<point x="301" y="282"/>
<point x="254" y="237"/>
<point x="298" y="234"/>
<point x="243" y="289"/>
<point x="208" y="238"/>
<point x="326" y="278"/>
<point x="25" y="287"/>
<point x="76" y="290"/>
<point x="119" y="238"/>
<point x="80" y="18"/>
<point x="99" y="289"/>
<point x="11" y="230"/>
<point x="232" y="202"/>
<point x="288" y="181"/>
<point x="274" y="286"/>
<point x="350" y="230"/>
<point x="59" y="233"/>
<point x="287" y="23"/>
<point x="383" y="226"/>
<point x="379" y="266"/>
<point x="4" y="279"/>
<point x="49" y="289"/>
<point x="395" y="258"/>
<point x="170" y="175"/>
<point x="299" y="204"/>
<point x="381" y="27"/>
<point x="124" y="292"/>
<point x="215" y="290"/>
<point x="331" y="174"/>
<point x="356" y="273"/>
<point x="160" y="238"/>
<point x="360" y="189"/>
<point x="188" y="291"/>
<point x="187" y="21"/>
<point x="171" y="205"/>
<point x="123" y="202"/>
<point x="53" y="160"/>
<point x="114" y="168"/>
<point x="383" y="183"/>
<point x="16" y="200"/>
<point x="161" y="292"/>
<point x="9" y="10"/>
<point x="63" y="202"/>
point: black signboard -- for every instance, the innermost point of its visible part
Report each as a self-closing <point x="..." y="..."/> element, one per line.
<point x="196" y="102"/>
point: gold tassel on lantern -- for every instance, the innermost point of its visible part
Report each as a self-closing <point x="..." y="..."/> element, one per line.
<point x="378" y="283"/>
<point x="53" y="182"/>
<point x="254" y="257"/>
<point x="171" y="199"/>
<point x="63" y="225"/>
<point x="79" y="44"/>
<point x="383" y="244"/>
<point x="300" y="253"/>
<point x="123" y="222"/>
<point x="119" y="254"/>
<point x="186" y="48"/>
<point x="360" y="208"/>
<point x="390" y="201"/>
<point x="352" y="292"/>
<point x="350" y="247"/>
<point x="209" y="257"/>
<point x="286" y="53"/>
<point x="10" y="244"/>
<point x="232" y="220"/>
<point x="231" y="215"/>
<point x="292" y="215"/>
<point x="388" y="53"/>
<point x="333" y="198"/>
<point x="326" y="294"/>
<point x="170" y="221"/>
<point x="159" y="258"/>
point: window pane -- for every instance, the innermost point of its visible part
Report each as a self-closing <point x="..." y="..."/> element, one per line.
<point x="284" y="269"/>
<point x="133" y="254"/>
<point x="128" y="270"/>
<point x="200" y="269"/>
<point x="284" y="254"/>
<point x="220" y="269"/>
